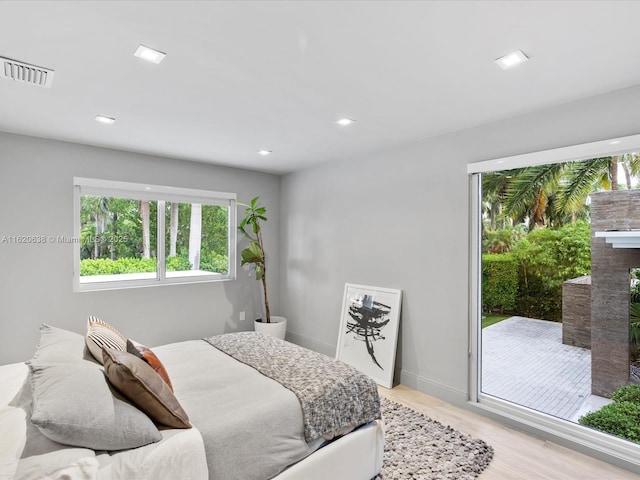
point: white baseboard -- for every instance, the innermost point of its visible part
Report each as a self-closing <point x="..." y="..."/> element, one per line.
<point x="435" y="389"/>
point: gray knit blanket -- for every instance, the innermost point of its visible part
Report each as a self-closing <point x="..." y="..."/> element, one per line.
<point x="333" y="395"/>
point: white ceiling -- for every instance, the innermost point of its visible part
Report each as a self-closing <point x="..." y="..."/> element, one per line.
<point x="245" y="76"/>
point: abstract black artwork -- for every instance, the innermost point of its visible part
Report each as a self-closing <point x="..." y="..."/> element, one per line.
<point x="369" y="330"/>
<point x="367" y="319"/>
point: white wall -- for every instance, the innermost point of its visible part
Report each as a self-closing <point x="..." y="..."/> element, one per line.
<point x="400" y="219"/>
<point x="397" y="219"/>
<point x="36" y="195"/>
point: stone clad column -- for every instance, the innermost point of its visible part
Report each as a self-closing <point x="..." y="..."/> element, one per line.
<point x="576" y="312"/>
<point x="616" y="210"/>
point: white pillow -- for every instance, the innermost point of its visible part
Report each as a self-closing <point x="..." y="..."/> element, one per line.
<point x="73" y="404"/>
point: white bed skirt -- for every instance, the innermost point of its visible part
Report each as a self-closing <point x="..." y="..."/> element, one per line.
<point x="356" y="456"/>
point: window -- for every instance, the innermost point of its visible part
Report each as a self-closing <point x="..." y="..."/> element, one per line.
<point x="137" y="235"/>
<point x="484" y="396"/>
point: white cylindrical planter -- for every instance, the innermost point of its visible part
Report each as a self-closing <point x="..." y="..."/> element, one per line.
<point x="277" y="328"/>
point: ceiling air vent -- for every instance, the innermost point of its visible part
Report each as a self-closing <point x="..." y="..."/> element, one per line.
<point x="23" y="72"/>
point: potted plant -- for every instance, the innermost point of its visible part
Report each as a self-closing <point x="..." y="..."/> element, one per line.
<point x="254" y="257"/>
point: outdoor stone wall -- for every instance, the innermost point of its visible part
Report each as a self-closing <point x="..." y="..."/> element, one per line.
<point x="576" y="312"/>
<point x="616" y="210"/>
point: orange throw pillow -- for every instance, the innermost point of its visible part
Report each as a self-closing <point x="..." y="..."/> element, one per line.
<point x="151" y="359"/>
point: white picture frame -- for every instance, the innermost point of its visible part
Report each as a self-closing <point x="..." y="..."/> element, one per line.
<point x="368" y="335"/>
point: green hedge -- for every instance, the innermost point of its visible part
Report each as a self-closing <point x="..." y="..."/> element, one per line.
<point x="547" y="259"/>
<point x="499" y="282"/>
<point x="106" y="266"/>
<point x="212" y="262"/>
<point x="544" y="259"/>
<point x="544" y="304"/>
<point x="620" y="418"/>
<point x="178" y="264"/>
<point x="627" y="393"/>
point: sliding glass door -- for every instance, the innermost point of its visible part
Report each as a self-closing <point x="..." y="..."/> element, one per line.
<point x="537" y="352"/>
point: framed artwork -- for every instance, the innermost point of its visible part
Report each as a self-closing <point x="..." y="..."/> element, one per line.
<point x="369" y="330"/>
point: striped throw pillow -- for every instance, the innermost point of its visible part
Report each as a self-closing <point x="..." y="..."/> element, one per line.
<point x="102" y="335"/>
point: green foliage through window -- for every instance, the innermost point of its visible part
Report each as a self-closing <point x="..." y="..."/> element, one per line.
<point x="620" y="418"/>
<point x="528" y="280"/>
<point x="627" y="393"/>
<point x="499" y="282"/>
<point x="118" y="235"/>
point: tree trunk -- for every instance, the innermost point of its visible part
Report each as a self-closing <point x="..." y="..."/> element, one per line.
<point x="173" y="229"/>
<point x="627" y="174"/>
<point x="539" y="208"/>
<point x="96" y="244"/>
<point x="195" y="236"/>
<point x="114" y="235"/>
<point x="267" y="310"/>
<point x="144" y="214"/>
<point x="613" y="166"/>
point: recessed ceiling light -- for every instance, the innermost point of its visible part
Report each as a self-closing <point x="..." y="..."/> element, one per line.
<point x="614" y="142"/>
<point x="511" y="60"/>
<point x="345" y="121"/>
<point x="264" y="152"/>
<point x="107" y="120"/>
<point x="149" y="54"/>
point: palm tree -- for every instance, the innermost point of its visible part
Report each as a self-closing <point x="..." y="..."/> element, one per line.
<point x="494" y="187"/>
<point x="195" y="236"/>
<point x="530" y="192"/>
<point x="555" y="194"/>
<point x="173" y="228"/>
<point x="102" y="209"/>
<point x="114" y="234"/>
<point x="630" y="163"/>
<point x="584" y="177"/>
<point x="144" y="215"/>
<point x="502" y="240"/>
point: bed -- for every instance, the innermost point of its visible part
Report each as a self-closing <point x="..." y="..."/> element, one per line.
<point x="245" y="425"/>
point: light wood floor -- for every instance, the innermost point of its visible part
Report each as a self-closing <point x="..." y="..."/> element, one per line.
<point x="517" y="456"/>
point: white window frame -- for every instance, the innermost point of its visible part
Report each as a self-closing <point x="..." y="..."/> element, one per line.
<point x="604" y="446"/>
<point x="160" y="194"/>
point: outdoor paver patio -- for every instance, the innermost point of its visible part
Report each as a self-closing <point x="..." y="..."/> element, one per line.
<point x="525" y="362"/>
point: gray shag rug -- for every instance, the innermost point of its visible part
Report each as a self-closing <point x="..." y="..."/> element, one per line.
<point x="419" y="448"/>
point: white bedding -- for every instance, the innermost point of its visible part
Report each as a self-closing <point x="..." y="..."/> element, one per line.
<point x="180" y="453"/>
<point x="240" y="413"/>
<point x="26" y="454"/>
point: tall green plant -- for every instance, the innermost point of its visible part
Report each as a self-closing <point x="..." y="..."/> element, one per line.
<point x="499" y="282"/>
<point x="254" y="254"/>
<point x="634" y="329"/>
